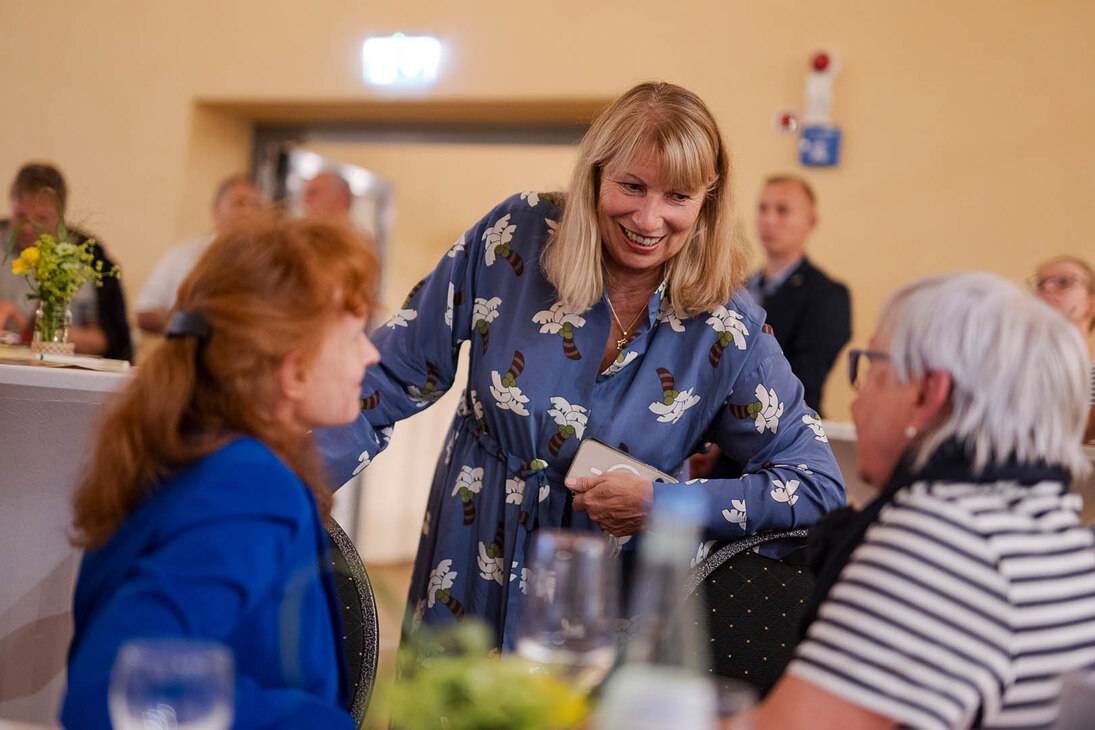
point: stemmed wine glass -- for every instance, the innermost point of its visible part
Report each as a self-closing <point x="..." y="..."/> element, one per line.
<point x="158" y="684"/>
<point x="568" y="620"/>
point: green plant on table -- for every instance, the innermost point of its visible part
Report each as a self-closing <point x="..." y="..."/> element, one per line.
<point x="55" y="268"/>
<point x="451" y="679"/>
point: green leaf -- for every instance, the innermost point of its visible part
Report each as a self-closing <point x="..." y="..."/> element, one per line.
<point x="62" y="230"/>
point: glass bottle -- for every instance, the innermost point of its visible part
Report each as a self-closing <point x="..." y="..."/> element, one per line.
<point x="662" y="683"/>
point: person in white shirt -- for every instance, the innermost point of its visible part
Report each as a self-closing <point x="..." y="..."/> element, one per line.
<point x="236" y="199"/>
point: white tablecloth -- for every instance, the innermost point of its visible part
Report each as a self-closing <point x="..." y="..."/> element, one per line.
<point x="46" y="418"/>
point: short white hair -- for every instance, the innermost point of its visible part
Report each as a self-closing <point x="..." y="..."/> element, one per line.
<point x="1019" y="370"/>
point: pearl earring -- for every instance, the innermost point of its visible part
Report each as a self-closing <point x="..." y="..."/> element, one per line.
<point x="910" y="431"/>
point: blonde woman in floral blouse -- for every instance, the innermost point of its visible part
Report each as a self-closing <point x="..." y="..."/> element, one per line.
<point x="614" y="312"/>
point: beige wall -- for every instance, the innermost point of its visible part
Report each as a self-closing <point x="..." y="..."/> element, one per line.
<point x="440" y="190"/>
<point x="968" y="123"/>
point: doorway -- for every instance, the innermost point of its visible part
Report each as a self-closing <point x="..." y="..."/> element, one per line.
<point x="429" y="183"/>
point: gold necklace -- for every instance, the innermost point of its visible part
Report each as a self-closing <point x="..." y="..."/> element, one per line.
<point x="622" y="343"/>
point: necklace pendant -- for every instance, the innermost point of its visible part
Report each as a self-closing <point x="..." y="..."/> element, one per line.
<point x="621" y="344"/>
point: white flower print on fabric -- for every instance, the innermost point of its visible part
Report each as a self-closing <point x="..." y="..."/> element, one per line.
<point x="456" y="248"/>
<point x="667" y="314"/>
<point x="531" y="197"/>
<point x="571" y="420"/>
<point x="428" y="392"/>
<point x="770" y="409"/>
<point x="785" y="492"/>
<point x="813" y="422"/>
<point x="622" y="361"/>
<point x="552" y="225"/>
<point x="673" y="403"/>
<point x="386" y="435"/>
<point x="702" y="552"/>
<point x="545" y="490"/>
<point x="490" y="562"/>
<point x="363" y="461"/>
<point x="406" y="313"/>
<point x="468" y="484"/>
<point x="520" y="576"/>
<point x="730" y="328"/>
<point x="699" y="480"/>
<point x="401" y="318"/>
<point x="450" y="306"/>
<point x="469" y="480"/>
<point x="559" y="321"/>
<point x="477" y="409"/>
<point x="552" y="320"/>
<point x="483" y="312"/>
<point x="515" y="490"/>
<point x="507" y="395"/>
<point x="616" y="544"/>
<point x="441" y="581"/>
<point x="737" y="514"/>
<point x="498" y="238"/>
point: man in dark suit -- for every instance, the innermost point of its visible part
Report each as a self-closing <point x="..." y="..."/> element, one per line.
<point x="810" y="313"/>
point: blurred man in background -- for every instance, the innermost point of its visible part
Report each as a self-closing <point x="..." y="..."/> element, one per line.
<point x="235" y="199"/>
<point x="328" y="196"/>
<point x="810" y="313"/>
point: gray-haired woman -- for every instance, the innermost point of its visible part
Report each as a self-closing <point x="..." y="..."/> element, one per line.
<point x="964" y="591"/>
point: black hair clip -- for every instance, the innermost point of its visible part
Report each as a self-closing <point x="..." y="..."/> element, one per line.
<point x="188" y="324"/>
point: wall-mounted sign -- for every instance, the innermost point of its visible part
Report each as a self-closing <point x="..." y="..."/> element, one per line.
<point x="400" y="60"/>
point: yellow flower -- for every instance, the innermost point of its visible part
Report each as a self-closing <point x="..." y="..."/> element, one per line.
<point x="19" y="266"/>
<point x="30" y="255"/>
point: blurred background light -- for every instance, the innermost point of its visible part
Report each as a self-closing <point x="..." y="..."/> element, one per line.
<point x="400" y="60"/>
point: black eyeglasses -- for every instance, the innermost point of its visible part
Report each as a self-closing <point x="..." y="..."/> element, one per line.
<point x="854" y="357"/>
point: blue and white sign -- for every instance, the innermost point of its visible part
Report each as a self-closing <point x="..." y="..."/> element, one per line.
<point x="819" y="146"/>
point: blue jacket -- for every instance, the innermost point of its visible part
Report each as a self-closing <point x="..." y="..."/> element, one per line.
<point x="228" y="549"/>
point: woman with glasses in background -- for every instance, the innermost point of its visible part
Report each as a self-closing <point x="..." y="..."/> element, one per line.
<point x="1067" y="284"/>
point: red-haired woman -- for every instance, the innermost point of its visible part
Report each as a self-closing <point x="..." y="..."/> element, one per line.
<point x="202" y="509"/>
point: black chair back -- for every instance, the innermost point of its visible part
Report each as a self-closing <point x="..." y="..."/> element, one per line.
<point x="360" y="630"/>
<point x="752" y="606"/>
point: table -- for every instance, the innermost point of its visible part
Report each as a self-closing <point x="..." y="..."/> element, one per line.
<point x="46" y="420"/>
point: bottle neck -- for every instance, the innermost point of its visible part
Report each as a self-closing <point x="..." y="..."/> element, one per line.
<point x="667" y="630"/>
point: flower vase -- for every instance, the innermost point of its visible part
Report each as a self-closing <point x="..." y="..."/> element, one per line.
<point x="51" y="326"/>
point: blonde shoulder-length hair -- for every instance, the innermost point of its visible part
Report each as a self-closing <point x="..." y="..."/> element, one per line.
<point x="677" y="127"/>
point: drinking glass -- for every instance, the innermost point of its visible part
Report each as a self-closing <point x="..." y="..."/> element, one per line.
<point x="158" y="684"/>
<point x="568" y="620"/>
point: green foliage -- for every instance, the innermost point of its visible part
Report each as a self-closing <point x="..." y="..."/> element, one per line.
<point x="55" y="267"/>
<point x="451" y="679"/>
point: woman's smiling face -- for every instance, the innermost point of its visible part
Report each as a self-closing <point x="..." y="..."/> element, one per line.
<point x="643" y="221"/>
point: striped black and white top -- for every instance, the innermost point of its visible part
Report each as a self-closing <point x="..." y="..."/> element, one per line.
<point x="1093" y="384"/>
<point x="963" y="601"/>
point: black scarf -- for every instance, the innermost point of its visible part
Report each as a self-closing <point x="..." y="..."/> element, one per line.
<point x="836" y="535"/>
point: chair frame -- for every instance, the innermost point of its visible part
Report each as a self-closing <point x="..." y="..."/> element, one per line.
<point x="359" y="702"/>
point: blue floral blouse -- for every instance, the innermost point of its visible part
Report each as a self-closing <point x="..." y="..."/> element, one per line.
<point x="535" y="390"/>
